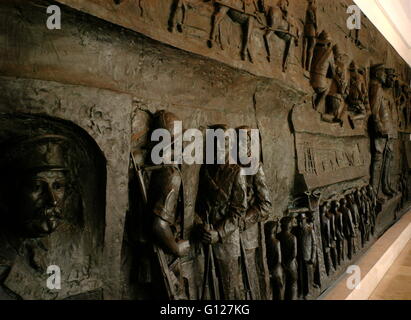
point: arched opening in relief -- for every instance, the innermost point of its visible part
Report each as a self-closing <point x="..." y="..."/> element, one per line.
<point x="52" y="201"/>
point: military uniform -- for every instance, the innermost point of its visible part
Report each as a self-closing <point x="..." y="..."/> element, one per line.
<point x="323" y="60"/>
<point x="289" y="254"/>
<point x="259" y="206"/>
<point x="222" y="204"/>
<point x="349" y="230"/>
<point x="310" y="26"/>
<point x="306" y="254"/>
<point x="383" y="142"/>
<point x="30" y="241"/>
<point x="166" y="201"/>
<point x="165" y="187"/>
<point x="326" y="238"/>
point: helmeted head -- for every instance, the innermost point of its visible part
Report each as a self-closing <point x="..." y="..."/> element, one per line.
<point x="302" y="218"/>
<point x="390" y="77"/>
<point x="286" y="223"/>
<point x="328" y="205"/>
<point x="249" y="147"/>
<point x="283" y="4"/>
<point x="336" y="50"/>
<point x="324" y="38"/>
<point x="221" y="147"/>
<point x="353" y="67"/>
<point x="244" y="143"/>
<point x="37" y="174"/>
<point x="362" y="71"/>
<point x="377" y="72"/>
<point x="166" y="120"/>
<point x="271" y="228"/>
<point x="166" y="124"/>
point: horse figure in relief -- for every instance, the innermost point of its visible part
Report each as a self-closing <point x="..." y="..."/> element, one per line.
<point x="243" y="12"/>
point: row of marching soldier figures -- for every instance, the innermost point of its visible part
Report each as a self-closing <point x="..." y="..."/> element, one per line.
<point x="347" y="224"/>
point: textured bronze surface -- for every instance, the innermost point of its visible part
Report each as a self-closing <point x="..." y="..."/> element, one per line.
<point x="77" y="109"/>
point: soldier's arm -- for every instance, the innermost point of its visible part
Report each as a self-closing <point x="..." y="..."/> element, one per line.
<point x="313" y="17"/>
<point x="350" y="221"/>
<point x="375" y="104"/>
<point x="332" y="65"/>
<point x="260" y="210"/>
<point x="293" y="251"/>
<point x="325" y="234"/>
<point x="354" y="218"/>
<point x="163" y="221"/>
<point x="236" y="210"/>
<point x="341" y="226"/>
<point x="314" y="246"/>
<point x="165" y="236"/>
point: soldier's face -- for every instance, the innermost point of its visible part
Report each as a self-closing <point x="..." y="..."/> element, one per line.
<point x="381" y="75"/>
<point x="40" y="200"/>
<point x="244" y="144"/>
<point x="389" y="80"/>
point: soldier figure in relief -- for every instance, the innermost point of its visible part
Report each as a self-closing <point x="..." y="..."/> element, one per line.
<point x="339" y="231"/>
<point x="338" y="90"/>
<point x="326" y="236"/>
<point x="310" y="34"/>
<point x="288" y="243"/>
<point x="222" y="207"/>
<point x="352" y="205"/>
<point x="167" y="207"/>
<point x="274" y="259"/>
<point x="349" y="229"/>
<point x="306" y="254"/>
<point x="383" y="131"/>
<point x="322" y="69"/>
<point x="258" y="210"/>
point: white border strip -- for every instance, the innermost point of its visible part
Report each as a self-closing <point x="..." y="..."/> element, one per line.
<point x="379" y="19"/>
<point x="375" y="263"/>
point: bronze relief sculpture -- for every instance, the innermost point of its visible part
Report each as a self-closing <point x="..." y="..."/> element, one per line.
<point x="222" y="212"/>
<point x="333" y="127"/>
<point x="244" y="12"/>
<point x="44" y="206"/>
<point x="274" y="259"/>
<point x="288" y="242"/>
<point x="323" y="64"/>
<point x="383" y="131"/>
<point x="35" y="173"/>
<point x="310" y="35"/>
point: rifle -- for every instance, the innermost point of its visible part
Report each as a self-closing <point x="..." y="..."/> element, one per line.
<point x="159" y="253"/>
<point x="247" y="270"/>
<point x="210" y="267"/>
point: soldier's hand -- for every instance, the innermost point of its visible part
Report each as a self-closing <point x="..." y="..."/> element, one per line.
<point x="183" y="248"/>
<point x="210" y="236"/>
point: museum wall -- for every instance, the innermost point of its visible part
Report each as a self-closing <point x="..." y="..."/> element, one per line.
<point x="102" y="77"/>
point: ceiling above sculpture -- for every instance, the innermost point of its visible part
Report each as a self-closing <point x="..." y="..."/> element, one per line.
<point x="393" y="19"/>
